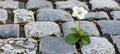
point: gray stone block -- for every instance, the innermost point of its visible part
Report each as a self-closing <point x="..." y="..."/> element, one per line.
<point x="115" y="15"/>
<point x="9" y="30"/>
<point x="53" y="15"/>
<point x="23" y="16"/>
<point x="98" y="45"/>
<point x="97" y="15"/>
<point x="42" y="29"/>
<point x="36" y="4"/>
<point x="116" y="39"/>
<point x="56" y="45"/>
<point x="18" y="46"/>
<point x="87" y="26"/>
<point x="9" y="4"/>
<point x="70" y="4"/>
<point x="3" y="16"/>
<point x="104" y="5"/>
<point x="111" y="27"/>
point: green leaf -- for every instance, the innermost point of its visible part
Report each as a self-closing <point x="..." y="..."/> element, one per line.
<point x="72" y="38"/>
<point x="82" y="32"/>
<point x="85" y="40"/>
<point x="73" y="30"/>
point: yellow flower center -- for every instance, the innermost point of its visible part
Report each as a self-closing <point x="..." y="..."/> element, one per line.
<point x="79" y="12"/>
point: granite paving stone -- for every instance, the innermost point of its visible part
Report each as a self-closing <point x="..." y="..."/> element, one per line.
<point x="3" y="16"/>
<point x="98" y="45"/>
<point x="116" y="39"/>
<point x="70" y="4"/>
<point x="115" y="15"/>
<point x="22" y="5"/>
<point x="56" y="45"/>
<point x="53" y="15"/>
<point x="9" y="30"/>
<point x="104" y="5"/>
<point x="110" y="27"/>
<point x="86" y="25"/>
<point x="41" y="26"/>
<point x="97" y="16"/>
<point x="18" y="46"/>
<point x="42" y="29"/>
<point x="23" y="16"/>
<point x="36" y="4"/>
<point x="9" y="4"/>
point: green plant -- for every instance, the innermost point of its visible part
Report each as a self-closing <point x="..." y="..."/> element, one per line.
<point x="78" y="34"/>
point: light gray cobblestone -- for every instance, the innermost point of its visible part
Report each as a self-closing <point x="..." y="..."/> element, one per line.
<point x="18" y="46"/>
<point x="42" y="29"/>
<point x="98" y="45"/>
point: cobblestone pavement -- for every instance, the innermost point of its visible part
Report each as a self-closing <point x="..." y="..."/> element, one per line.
<point x="40" y="26"/>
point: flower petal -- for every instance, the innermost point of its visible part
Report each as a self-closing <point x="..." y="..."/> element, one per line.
<point x="81" y="16"/>
<point x="81" y="9"/>
<point x="75" y="8"/>
<point x="74" y="14"/>
<point x="76" y="11"/>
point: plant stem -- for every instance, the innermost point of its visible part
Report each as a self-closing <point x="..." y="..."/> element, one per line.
<point x="78" y="24"/>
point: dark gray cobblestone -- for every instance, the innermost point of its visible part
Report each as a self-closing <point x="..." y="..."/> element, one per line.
<point x="55" y="45"/>
<point x="70" y="4"/>
<point x="9" y="30"/>
<point x="97" y="15"/>
<point x="53" y="15"/>
<point x="90" y="27"/>
<point x="115" y="39"/>
<point x="3" y="16"/>
<point x="104" y="5"/>
<point x="9" y="4"/>
<point x="36" y="4"/>
<point x="115" y="15"/>
<point x="110" y="27"/>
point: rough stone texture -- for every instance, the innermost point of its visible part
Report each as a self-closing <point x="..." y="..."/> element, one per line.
<point x="23" y="16"/>
<point x="22" y="5"/>
<point x="18" y="46"/>
<point x="56" y="45"/>
<point x="3" y="16"/>
<point x="9" y="4"/>
<point x="53" y="15"/>
<point x="42" y="29"/>
<point x="9" y="30"/>
<point x="116" y="39"/>
<point x="118" y="1"/>
<point x="96" y="15"/>
<point x="115" y="15"/>
<point x="36" y="4"/>
<point x="104" y="4"/>
<point x="87" y="26"/>
<point x="98" y="46"/>
<point x="70" y="4"/>
<point x="109" y="27"/>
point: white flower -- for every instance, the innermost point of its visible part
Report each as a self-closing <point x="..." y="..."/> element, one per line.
<point x="79" y="12"/>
